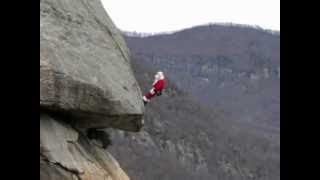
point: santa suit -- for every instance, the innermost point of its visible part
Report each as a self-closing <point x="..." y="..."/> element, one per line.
<point x="156" y="89"/>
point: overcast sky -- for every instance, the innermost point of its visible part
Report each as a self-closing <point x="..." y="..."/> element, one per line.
<point x="170" y="15"/>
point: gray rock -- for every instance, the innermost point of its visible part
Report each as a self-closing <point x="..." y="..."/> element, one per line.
<point x="68" y="154"/>
<point x="85" y="67"/>
<point x="86" y="81"/>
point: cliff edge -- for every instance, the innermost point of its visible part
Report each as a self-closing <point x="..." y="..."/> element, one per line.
<point x="86" y="81"/>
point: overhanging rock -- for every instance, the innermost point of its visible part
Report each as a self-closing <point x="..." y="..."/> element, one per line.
<point x="85" y="67"/>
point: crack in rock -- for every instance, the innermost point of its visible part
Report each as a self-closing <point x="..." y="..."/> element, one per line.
<point x="58" y="164"/>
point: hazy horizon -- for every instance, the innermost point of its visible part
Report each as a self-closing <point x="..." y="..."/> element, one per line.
<point x="167" y="16"/>
<point x="197" y="25"/>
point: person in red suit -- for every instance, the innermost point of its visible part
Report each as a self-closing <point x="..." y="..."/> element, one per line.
<point x="157" y="87"/>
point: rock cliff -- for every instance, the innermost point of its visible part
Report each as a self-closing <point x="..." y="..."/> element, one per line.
<point x="86" y="81"/>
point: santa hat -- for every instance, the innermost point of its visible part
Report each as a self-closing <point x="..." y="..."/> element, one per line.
<point x="160" y="75"/>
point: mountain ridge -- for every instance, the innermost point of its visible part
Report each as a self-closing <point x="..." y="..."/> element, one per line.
<point x="233" y="68"/>
<point x="226" y="24"/>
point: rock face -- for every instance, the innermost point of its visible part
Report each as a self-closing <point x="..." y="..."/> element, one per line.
<point x="85" y="67"/>
<point x="86" y="81"/>
<point x="68" y="154"/>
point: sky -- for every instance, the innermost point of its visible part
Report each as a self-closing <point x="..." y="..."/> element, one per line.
<point x="153" y="16"/>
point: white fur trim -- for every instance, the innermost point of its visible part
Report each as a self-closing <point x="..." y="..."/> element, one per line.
<point x="152" y="91"/>
<point x="145" y="99"/>
<point x="156" y="78"/>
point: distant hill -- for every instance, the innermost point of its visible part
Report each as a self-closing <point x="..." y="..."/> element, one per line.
<point x="184" y="140"/>
<point x="219" y="115"/>
<point x="229" y="67"/>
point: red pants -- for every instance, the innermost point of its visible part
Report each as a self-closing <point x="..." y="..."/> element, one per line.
<point x="149" y="95"/>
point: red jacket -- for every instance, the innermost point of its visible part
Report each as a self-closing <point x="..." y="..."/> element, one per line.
<point x="159" y="85"/>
